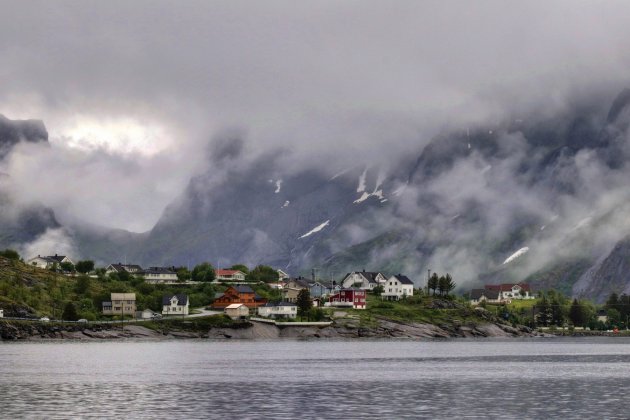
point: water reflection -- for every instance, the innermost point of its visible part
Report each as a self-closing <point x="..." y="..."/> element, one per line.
<point x="283" y="379"/>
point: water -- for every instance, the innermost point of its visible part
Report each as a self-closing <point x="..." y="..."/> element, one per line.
<point x="533" y="378"/>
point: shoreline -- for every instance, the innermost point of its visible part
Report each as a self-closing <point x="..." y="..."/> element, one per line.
<point x="346" y="329"/>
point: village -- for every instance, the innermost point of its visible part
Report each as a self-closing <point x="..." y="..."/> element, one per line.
<point x="263" y="292"/>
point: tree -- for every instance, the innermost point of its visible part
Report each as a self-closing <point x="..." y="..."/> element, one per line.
<point x="577" y="314"/>
<point x="203" y="272"/>
<point x="83" y="285"/>
<point x="304" y="302"/>
<point x="10" y="254"/>
<point x="84" y="266"/>
<point x="433" y="282"/>
<point x="446" y="284"/>
<point x="67" y="266"/>
<point x="183" y="273"/>
<point x="69" y="312"/>
<point x="613" y="301"/>
<point x="378" y="290"/>
<point x="240" y="267"/>
<point x="263" y="273"/>
<point x="544" y="311"/>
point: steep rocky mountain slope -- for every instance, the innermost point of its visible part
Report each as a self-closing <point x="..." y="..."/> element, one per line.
<point x="541" y="198"/>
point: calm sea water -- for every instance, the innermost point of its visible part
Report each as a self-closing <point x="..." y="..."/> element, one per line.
<point x="534" y="378"/>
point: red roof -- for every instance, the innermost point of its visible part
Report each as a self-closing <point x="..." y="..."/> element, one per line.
<point x="505" y="287"/>
<point x="227" y="272"/>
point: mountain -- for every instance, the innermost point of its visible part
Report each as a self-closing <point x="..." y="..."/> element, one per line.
<point x="26" y="223"/>
<point x="540" y="198"/>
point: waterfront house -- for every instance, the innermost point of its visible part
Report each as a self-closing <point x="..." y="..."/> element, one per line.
<point x="348" y="298"/>
<point x="175" y="305"/>
<point x="49" y="261"/>
<point x="236" y="310"/>
<point x="366" y="280"/>
<point x="397" y="287"/>
<point x="278" y="310"/>
<point x="120" y="304"/>
<point x="229" y="275"/>
<point x="238" y="294"/>
<point x="158" y="275"/>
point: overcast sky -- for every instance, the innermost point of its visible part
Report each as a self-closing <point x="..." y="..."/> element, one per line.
<point x="132" y="92"/>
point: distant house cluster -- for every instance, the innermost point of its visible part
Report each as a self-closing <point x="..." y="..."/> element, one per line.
<point x="153" y="275"/>
<point x="501" y="293"/>
<point x="124" y="304"/>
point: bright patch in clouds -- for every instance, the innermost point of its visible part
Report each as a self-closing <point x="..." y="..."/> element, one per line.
<point x="117" y="135"/>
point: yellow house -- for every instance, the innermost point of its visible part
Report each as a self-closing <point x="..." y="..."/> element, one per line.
<point x="121" y="304"/>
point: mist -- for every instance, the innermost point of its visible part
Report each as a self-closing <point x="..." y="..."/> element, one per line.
<point x="139" y="98"/>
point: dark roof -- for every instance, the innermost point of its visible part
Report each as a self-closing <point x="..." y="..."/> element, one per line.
<point x="300" y="281"/>
<point x="56" y="257"/>
<point x="270" y="304"/>
<point x="182" y="300"/>
<point x="244" y="289"/>
<point x="126" y="267"/>
<point x="403" y="279"/>
<point x="489" y="294"/>
<point x="370" y="276"/>
<point x="157" y="270"/>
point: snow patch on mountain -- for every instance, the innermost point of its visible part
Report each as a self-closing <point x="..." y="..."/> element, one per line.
<point x="337" y="175"/>
<point x="582" y="223"/>
<point x="315" y="229"/>
<point x="361" y="186"/>
<point x="517" y="254"/>
<point x="363" y="197"/>
<point x="278" y="186"/>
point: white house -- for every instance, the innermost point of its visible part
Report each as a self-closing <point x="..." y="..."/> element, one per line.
<point x="175" y="305"/>
<point x="158" y="275"/>
<point x="229" y="275"/>
<point x="117" y="268"/>
<point x="282" y="275"/>
<point x="509" y="291"/>
<point x="366" y="280"/>
<point x="48" y="261"/>
<point x="501" y="293"/>
<point x="278" y="310"/>
<point x="236" y="310"/>
<point x="396" y="287"/>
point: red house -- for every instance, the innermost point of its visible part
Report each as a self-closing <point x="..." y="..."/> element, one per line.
<point x="239" y="294"/>
<point x="349" y="298"/>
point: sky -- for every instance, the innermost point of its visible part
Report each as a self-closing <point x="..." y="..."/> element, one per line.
<point x="134" y="93"/>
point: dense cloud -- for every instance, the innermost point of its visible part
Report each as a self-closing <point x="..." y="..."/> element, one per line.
<point x="133" y="92"/>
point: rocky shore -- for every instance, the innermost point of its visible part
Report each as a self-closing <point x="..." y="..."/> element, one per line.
<point x="341" y="329"/>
